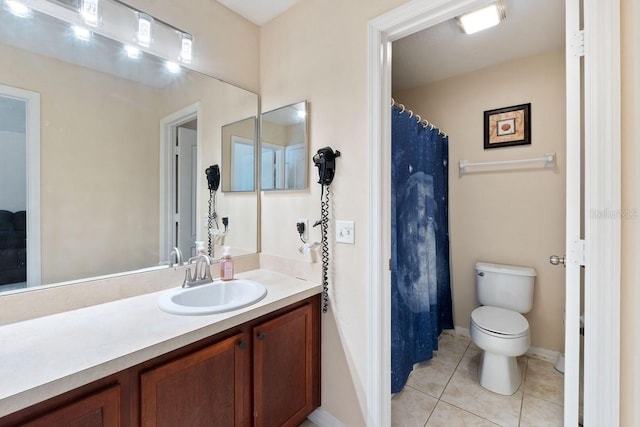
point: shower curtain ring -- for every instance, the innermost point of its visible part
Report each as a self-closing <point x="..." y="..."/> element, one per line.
<point x="410" y="113"/>
<point x="425" y="123"/>
<point x="393" y="102"/>
<point x="402" y="108"/>
<point x="418" y="118"/>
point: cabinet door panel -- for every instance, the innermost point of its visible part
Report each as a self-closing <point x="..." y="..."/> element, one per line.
<point x="206" y="388"/>
<point x="283" y="369"/>
<point x="100" y="409"/>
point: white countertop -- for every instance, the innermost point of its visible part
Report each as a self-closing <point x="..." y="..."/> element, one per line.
<point x="47" y="356"/>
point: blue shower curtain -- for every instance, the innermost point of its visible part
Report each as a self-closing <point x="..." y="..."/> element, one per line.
<point x="420" y="279"/>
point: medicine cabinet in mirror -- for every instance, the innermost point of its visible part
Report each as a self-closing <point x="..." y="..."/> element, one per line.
<point x="125" y="138"/>
<point x="283" y="148"/>
<point x="238" y="155"/>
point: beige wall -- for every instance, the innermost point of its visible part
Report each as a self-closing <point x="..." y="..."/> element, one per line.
<point x="509" y="217"/>
<point x="302" y="58"/>
<point x="630" y="296"/>
<point x="318" y="51"/>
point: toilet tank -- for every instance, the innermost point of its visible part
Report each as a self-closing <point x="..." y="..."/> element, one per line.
<point x="505" y="286"/>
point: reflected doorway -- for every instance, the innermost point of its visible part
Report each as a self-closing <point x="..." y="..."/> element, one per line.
<point x="179" y="162"/>
<point x="19" y="188"/>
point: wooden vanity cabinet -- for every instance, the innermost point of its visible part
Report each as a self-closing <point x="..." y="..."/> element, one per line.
<point x="285" y="371"/>
<point x="205" y="388"/>
<point x="265" y="373"/>
<point x="101" y="409"/>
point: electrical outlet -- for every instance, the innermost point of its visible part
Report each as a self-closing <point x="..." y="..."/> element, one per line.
<point x="305" y="233"/>
<point x="345" y="232"/>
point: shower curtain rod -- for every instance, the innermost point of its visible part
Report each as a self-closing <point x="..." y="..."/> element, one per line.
<point x="424" y="122"/>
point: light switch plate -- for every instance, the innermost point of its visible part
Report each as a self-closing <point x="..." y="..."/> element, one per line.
<point x="345" y="232"/>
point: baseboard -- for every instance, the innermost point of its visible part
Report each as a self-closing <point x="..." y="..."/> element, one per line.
<point x="322" y="418"/>
<point x="537" y="352"/>
<point x="543" y="353"/>
<point x="463" y="332"/>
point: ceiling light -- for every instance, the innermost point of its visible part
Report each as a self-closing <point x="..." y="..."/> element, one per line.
<point x="144" y="29"/>
<point x="90" y="12"/>
<point x="132" y="51"/>
<point x="187" y="48"/>
<point x="81" y="33"/>
<point x="172" y="67"/>
<point x="481" y="19"/>
<point x="18" y="9"/>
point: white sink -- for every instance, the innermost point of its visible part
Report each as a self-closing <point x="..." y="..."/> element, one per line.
<point x="216" y="297"/>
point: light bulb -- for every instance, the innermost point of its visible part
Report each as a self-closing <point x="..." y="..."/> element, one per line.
<point x="18" y="9"/>
<point x="90" y="12"/>
<point x="172" y="67"/>
<point x="186" y="52"/>
<point x="81" y="33"/>
<point x="132" y="51"/>
<point x="144" y="29"/>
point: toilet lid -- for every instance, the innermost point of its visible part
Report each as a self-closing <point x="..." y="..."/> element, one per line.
<point x="500" y="321"/>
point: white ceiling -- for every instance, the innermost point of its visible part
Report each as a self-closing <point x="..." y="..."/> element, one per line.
<point x="259" y="11"/>
<point x="443" y="51"/>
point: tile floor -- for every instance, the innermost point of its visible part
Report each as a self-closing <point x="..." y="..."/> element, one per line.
<point x="445" y="392"/>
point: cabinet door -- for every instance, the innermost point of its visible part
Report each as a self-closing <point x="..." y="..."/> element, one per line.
<point x="210" y="387"/>
<point x="286" y="368"/>
<point x="100" y="409"/>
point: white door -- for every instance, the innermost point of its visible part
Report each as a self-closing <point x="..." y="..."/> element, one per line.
<point x="186" y="191"/>
<point x="574" y="245"/>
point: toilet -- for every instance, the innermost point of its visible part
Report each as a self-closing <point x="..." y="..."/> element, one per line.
<point x="498" y="327"/>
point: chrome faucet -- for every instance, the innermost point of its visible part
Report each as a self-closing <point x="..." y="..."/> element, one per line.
<point x="178" y="255"/>
<point x="202" y="274"/>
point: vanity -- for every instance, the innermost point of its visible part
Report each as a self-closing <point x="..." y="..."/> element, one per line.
<point x="127" y="363"/>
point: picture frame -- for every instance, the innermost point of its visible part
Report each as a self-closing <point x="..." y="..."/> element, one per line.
<point x="508" y="126"/>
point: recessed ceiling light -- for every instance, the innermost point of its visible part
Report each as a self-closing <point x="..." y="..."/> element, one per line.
<point x="481" y="19"/>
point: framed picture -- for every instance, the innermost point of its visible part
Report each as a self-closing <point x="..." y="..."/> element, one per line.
<point x="506" y="127"/>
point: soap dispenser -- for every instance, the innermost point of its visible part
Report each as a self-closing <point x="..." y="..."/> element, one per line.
<point x="226" y="264"/>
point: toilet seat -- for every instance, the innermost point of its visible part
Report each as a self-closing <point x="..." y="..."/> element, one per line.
<point x="498" y="322"/>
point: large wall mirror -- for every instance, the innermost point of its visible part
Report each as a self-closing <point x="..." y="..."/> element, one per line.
<point x="283" y="148"/>
<point x="124" y="144"/>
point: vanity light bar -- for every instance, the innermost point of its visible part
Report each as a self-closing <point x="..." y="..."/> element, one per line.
<point x="113" y="19"/>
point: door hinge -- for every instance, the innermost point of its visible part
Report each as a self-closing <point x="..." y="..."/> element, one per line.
<point x="176" y="150"/>
<point x="580" y="252"/>
<point x="389" y="264"/>
<point x="176" y="217"/>
<point x="577" y="43"/>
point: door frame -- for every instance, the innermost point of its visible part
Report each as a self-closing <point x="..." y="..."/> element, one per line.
<point x="168" y="133"/>
<point x="34" y="242"/>
<point x="602" y="194"/>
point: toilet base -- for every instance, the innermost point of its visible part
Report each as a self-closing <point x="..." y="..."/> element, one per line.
<point x="499" y="374"/>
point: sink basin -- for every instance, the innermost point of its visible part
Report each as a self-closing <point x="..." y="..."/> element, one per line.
<point x="216" y="297"/>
